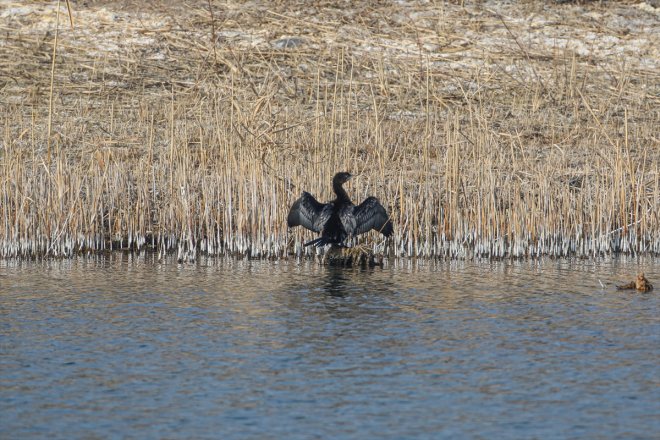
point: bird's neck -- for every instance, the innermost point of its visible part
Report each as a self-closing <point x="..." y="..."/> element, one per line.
<point x="341" y="193"/>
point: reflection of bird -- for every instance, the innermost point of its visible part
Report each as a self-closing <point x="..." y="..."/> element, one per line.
<point x="339" y="219"/>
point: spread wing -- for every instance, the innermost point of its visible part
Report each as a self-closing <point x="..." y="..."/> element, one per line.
<point x="369" y="215"/>
<point x="309" y="213"/>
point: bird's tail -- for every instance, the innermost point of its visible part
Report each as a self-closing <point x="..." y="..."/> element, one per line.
<point x="321" y="241"/>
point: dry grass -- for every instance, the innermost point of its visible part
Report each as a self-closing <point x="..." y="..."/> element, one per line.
<point x="488" y="131"/>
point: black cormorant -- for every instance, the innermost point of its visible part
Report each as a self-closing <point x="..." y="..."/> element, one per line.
<point x="339" y="219"/>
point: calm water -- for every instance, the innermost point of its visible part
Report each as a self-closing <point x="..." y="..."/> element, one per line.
<point x="132" y="348"/>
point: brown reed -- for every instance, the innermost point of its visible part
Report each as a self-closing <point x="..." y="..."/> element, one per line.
<point x="192" y="130"/>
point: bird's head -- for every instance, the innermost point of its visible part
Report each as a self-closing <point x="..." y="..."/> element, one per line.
<point x="341" y="178"/>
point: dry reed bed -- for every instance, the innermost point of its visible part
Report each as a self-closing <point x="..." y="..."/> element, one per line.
<point x="481" y="142"/>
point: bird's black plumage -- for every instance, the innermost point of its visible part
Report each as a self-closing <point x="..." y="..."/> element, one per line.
<point x="339" y="219"/>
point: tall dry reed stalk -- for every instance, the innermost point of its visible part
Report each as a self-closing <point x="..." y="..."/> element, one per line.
<point x="192" y="143"/>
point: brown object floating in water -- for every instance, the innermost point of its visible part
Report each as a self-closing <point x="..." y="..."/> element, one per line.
<point x="640" y="283"/>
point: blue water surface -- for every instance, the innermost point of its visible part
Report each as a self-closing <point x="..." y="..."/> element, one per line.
<point x="130" y="347"/>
